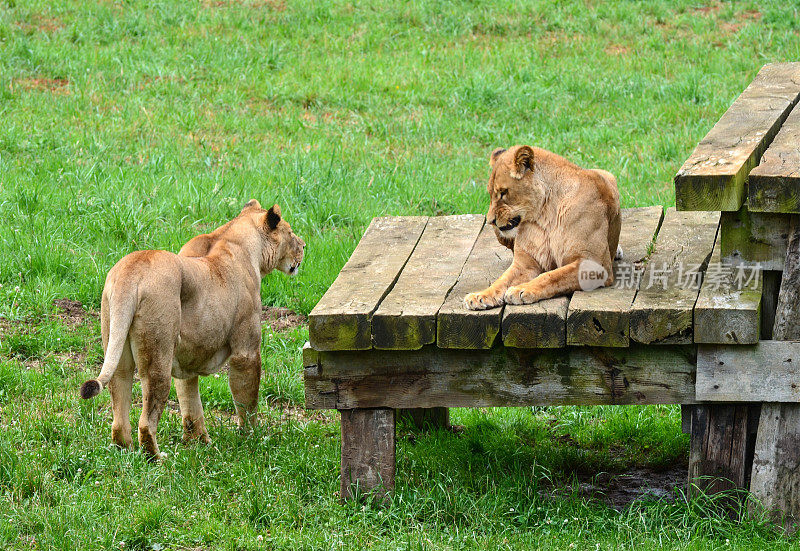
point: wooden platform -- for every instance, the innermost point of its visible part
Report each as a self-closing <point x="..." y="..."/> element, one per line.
<point x="683" y="323"/>
<point x="427" y="266"/>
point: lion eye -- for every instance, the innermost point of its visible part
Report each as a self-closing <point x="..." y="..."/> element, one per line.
<point x="503" y="193"/>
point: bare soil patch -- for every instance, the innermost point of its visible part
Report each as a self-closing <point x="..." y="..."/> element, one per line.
<point x="281" y="319"/>
<point x="72" y="312"/>
<point x="55" y="85"/>
<point x="619" y="490"/>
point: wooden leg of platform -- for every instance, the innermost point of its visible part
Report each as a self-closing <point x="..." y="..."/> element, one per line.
<point x="721" y="449"/>
<point x="368" y="452"/>
<point x="775" y="481"/>
<point x="426" y="418"/>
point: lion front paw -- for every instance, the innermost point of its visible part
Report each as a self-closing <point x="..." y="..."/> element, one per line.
<point x="520" y="295"/>
<point x="483" y="300"/>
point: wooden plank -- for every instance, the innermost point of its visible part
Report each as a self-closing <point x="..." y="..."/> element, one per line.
<point x="341" y="320"/>
<point x="754" y="238"/>
<point x="774" y="185"/>
<point x="458" y="327"/>
<point x="502" y="376"/>
<point x="368" y="453"/>
<point x="602" y="317"/>
<point x="713" y="177"/>
<point x="728" y="309"/>
<point x="539" y="325"/>
<point x="406" y="318"/>
<point x="662" y="311"/>
<point x="765" y="372"/>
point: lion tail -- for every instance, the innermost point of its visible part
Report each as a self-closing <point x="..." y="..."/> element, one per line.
<point x="121" y="311"/>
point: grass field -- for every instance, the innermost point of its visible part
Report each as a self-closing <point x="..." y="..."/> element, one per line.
<point x="134" y="125"/>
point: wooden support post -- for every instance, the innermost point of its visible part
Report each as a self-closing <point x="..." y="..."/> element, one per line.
<point x="368" y="452"/>
<point x="775" y="481"/>
<point x="426" y="418"/>
<point x="721" y="450"/>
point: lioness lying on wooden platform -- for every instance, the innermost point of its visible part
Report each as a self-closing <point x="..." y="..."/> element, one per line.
<point x="555" y="216"/>
<point x="184" y="315"/>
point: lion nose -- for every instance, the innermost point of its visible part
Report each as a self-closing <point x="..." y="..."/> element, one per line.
<point x="493" y="222"/>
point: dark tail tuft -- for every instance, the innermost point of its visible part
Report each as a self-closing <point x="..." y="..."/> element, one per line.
<point x="90" y="389"/>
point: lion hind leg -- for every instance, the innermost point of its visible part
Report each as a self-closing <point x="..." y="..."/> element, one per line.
<point x="153" y="353"/>
<point x="120" y="387"/>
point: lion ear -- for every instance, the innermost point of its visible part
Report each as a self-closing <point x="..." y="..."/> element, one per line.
<point x="496" y="155"/>
<point x="252" y="203"/>
<point x="273" y="217"/>
<point x="523" y="160"/>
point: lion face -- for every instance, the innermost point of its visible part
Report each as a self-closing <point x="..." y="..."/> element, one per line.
<point x="513" y="196"/>
<point x="282" y="249"/>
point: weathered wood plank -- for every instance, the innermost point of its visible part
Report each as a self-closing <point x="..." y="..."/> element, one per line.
<point x="774" y="185"/>
<point x="502" y="376"/>
<point x="458" y="327"/>
<point x="406" y="318"/>
<point x="602" y="317"/>
<point x="765" y="372"/>
<point x="368" y="453"/>
<point x="662" y="311"/>
<point x="539" y="325"/>
<point x="341" y="319"/>
<point x="754" y="238"/>
<point x="728" y="309"/>
<point x="713" y="177"/>
<point x="775" y="481"/>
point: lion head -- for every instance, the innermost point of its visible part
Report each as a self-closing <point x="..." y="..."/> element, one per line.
<point x="514" y="195"/>
<point x="282" y="248"/>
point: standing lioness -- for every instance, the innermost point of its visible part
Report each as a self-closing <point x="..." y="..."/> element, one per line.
<point x="186" y="314"/>
<point x="555" y="216"/>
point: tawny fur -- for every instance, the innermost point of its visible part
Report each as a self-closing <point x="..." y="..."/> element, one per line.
<point x="566" y="214"/>
<point x="187" y="314"/>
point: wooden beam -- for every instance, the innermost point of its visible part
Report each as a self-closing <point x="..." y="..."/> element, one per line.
<point x="728" y="309"/>
<point x="754" y="238"/>
<point x="602" y="317"/>
<point x="662" y="312"/>
<point x="341" y="319"/>
<point x="436" y="377"/>
<point x="713" y="177"/>
<point x="774" y="185"/>
<point x="406" y="318"/>
<point x="765" y="372"/>
<point x="458" y="327"/>
<point x="368" y="453"/>
<point x="775" y="480"/>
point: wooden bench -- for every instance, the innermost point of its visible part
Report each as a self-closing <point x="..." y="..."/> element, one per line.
<point x="684" y="324"/>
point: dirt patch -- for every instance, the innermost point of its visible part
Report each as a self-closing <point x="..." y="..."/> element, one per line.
<point x="41" y="23"/>
<point x="281" y="319"/>
<point x="276" y="5"/>
<point x="616" y="49"/>
<point x="619" y="490"/>
<point x="75" y="361"/>
<point x="58" y="86"/>
<point x="72" y="312"/>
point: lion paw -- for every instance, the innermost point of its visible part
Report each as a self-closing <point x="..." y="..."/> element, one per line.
<point x="483" y="300"/>
<point x="520" y="295"/>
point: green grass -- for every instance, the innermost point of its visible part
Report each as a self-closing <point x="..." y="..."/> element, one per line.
<point x="132" y="125"/>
